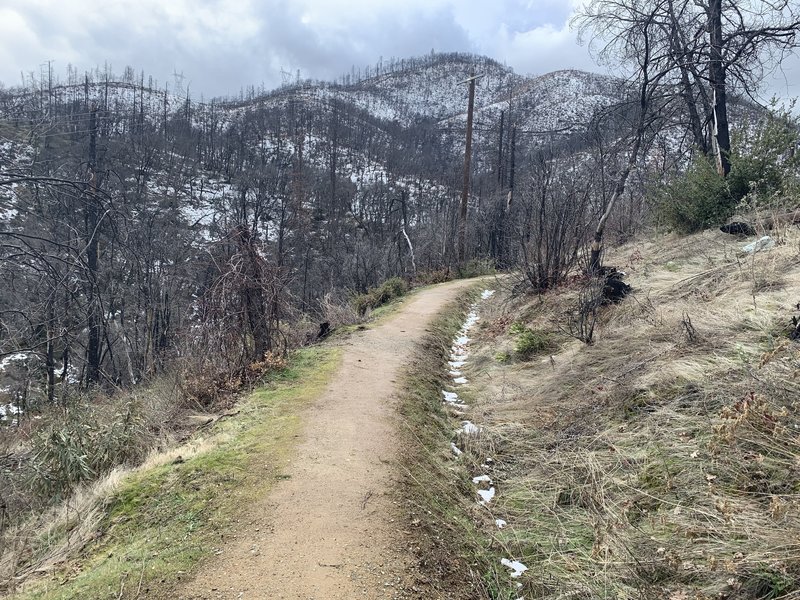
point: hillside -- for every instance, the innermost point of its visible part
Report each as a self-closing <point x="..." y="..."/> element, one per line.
<point x="373" y="161"/>
<point x="659" y="462"/>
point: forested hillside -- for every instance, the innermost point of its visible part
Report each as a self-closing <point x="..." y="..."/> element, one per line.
<point x="141" y="225"/>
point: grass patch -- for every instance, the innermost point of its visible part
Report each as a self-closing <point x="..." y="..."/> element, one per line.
<point x="441" y="498"/>
<point x="529" y="342"/>
<point x="165" y="519"/>
<point x="654" y="464"/>
<point x="390" y="289"/>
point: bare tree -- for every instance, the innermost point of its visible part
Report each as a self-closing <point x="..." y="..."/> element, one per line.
<point x="551" y="216"/>
<point x="632" y="33"/>
<point x="710" y="47"/>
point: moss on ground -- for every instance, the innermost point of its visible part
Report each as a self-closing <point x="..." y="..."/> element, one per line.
<point x="163" y="521"/>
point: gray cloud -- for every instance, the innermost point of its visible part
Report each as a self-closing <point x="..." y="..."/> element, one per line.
<point x="224" y="45"/>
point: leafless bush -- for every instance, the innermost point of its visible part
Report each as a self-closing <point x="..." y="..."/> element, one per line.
<point x="337" y="311"/>
<point x="553" y="215"/>
<point x="582" y="317"/>
<point x="242" y="309"/>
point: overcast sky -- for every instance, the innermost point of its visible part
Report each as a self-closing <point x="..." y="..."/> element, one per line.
<point x="221" y="46"/>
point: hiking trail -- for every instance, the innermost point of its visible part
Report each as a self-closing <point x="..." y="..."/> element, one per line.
<point x="332" y="528"/>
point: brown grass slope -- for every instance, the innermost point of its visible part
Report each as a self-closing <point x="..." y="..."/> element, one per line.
<point x="664" y="460"/>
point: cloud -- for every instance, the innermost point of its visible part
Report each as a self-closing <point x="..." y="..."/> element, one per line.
<point x="542" y="49"/>
<point x="224" y="45"/>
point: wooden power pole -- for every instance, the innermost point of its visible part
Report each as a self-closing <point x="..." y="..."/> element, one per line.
<point x="462" y="218"/>
<point x="93" y="349"/>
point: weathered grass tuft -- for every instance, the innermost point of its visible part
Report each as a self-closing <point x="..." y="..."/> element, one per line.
<point x="663" y="461"/>
<point x="139" y="528"/>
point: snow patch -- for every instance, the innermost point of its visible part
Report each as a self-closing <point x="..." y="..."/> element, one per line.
<point x="460" y="380"/>
<point x="450" y="397"/>
<point x="500" y="523"/>
<point x="486" y="496"/>
<point x="482" y="479"/>
<point x="517" y="568"/>
<point x="470" y="428"/>
<point x="456" y="450"/>
<point x="12" y="358"/>
<point x="765" y="243"/>
<point x="458" y="353"/>
<point x="10" y="411"/>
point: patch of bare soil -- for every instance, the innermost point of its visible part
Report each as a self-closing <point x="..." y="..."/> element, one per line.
<point x="331" y="529"/>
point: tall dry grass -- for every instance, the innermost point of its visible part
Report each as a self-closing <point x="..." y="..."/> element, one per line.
<point x="664" y="460"/>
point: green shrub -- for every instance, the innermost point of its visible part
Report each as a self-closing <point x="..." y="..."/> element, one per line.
<point x="763" y="165"/>
<point x="770" y="164"/>
<point x="388" y="290"/>
<point x="475" y="268"/>
<point x="698" y="199"/>
<point x="502" y="357"/>
<point x="530" y="342"/>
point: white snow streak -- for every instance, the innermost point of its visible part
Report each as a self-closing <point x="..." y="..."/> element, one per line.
<point x="517" y="568"/>
<point x="486" y="496"/>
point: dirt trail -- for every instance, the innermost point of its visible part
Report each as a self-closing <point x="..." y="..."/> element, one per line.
<point x="331" y="530"/>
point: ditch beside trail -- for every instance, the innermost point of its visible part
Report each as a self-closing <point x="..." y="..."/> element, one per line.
<point x="332" y="529"/>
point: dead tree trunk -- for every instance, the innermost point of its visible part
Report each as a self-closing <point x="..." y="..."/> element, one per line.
<point x="721" y="138"/>
<point x="92" y="222"/>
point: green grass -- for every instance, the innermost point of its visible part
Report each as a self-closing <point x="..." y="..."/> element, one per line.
<point x="441" y="498"/>
<point x="164" y="521"/>
<point x="530" y="342"/>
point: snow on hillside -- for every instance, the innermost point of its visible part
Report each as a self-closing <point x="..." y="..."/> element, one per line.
<point x="437" y="90"/>
<point x="15" y="156"/>
<point x="405" y="93"/>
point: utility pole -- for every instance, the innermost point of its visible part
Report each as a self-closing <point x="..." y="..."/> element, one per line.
<point x="92" y="222"/>
<point x="500" y="150"/>
<point x="513" y="166"/>
<point x="462" y="219"/>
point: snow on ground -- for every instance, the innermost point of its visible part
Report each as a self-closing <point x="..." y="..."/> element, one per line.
<point x="469" y="428"/>
<point x="517" y="568"/>
<point x="486" y="495"/>
<point x="7" y="360"/>
<point x="450" y="396"/>
<point x="10" y="412"/>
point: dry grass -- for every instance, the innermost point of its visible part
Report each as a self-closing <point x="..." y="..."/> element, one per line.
<point x="62" y="466"/>
<point x="58" y="533"/>
<point x="664" y="460"/>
